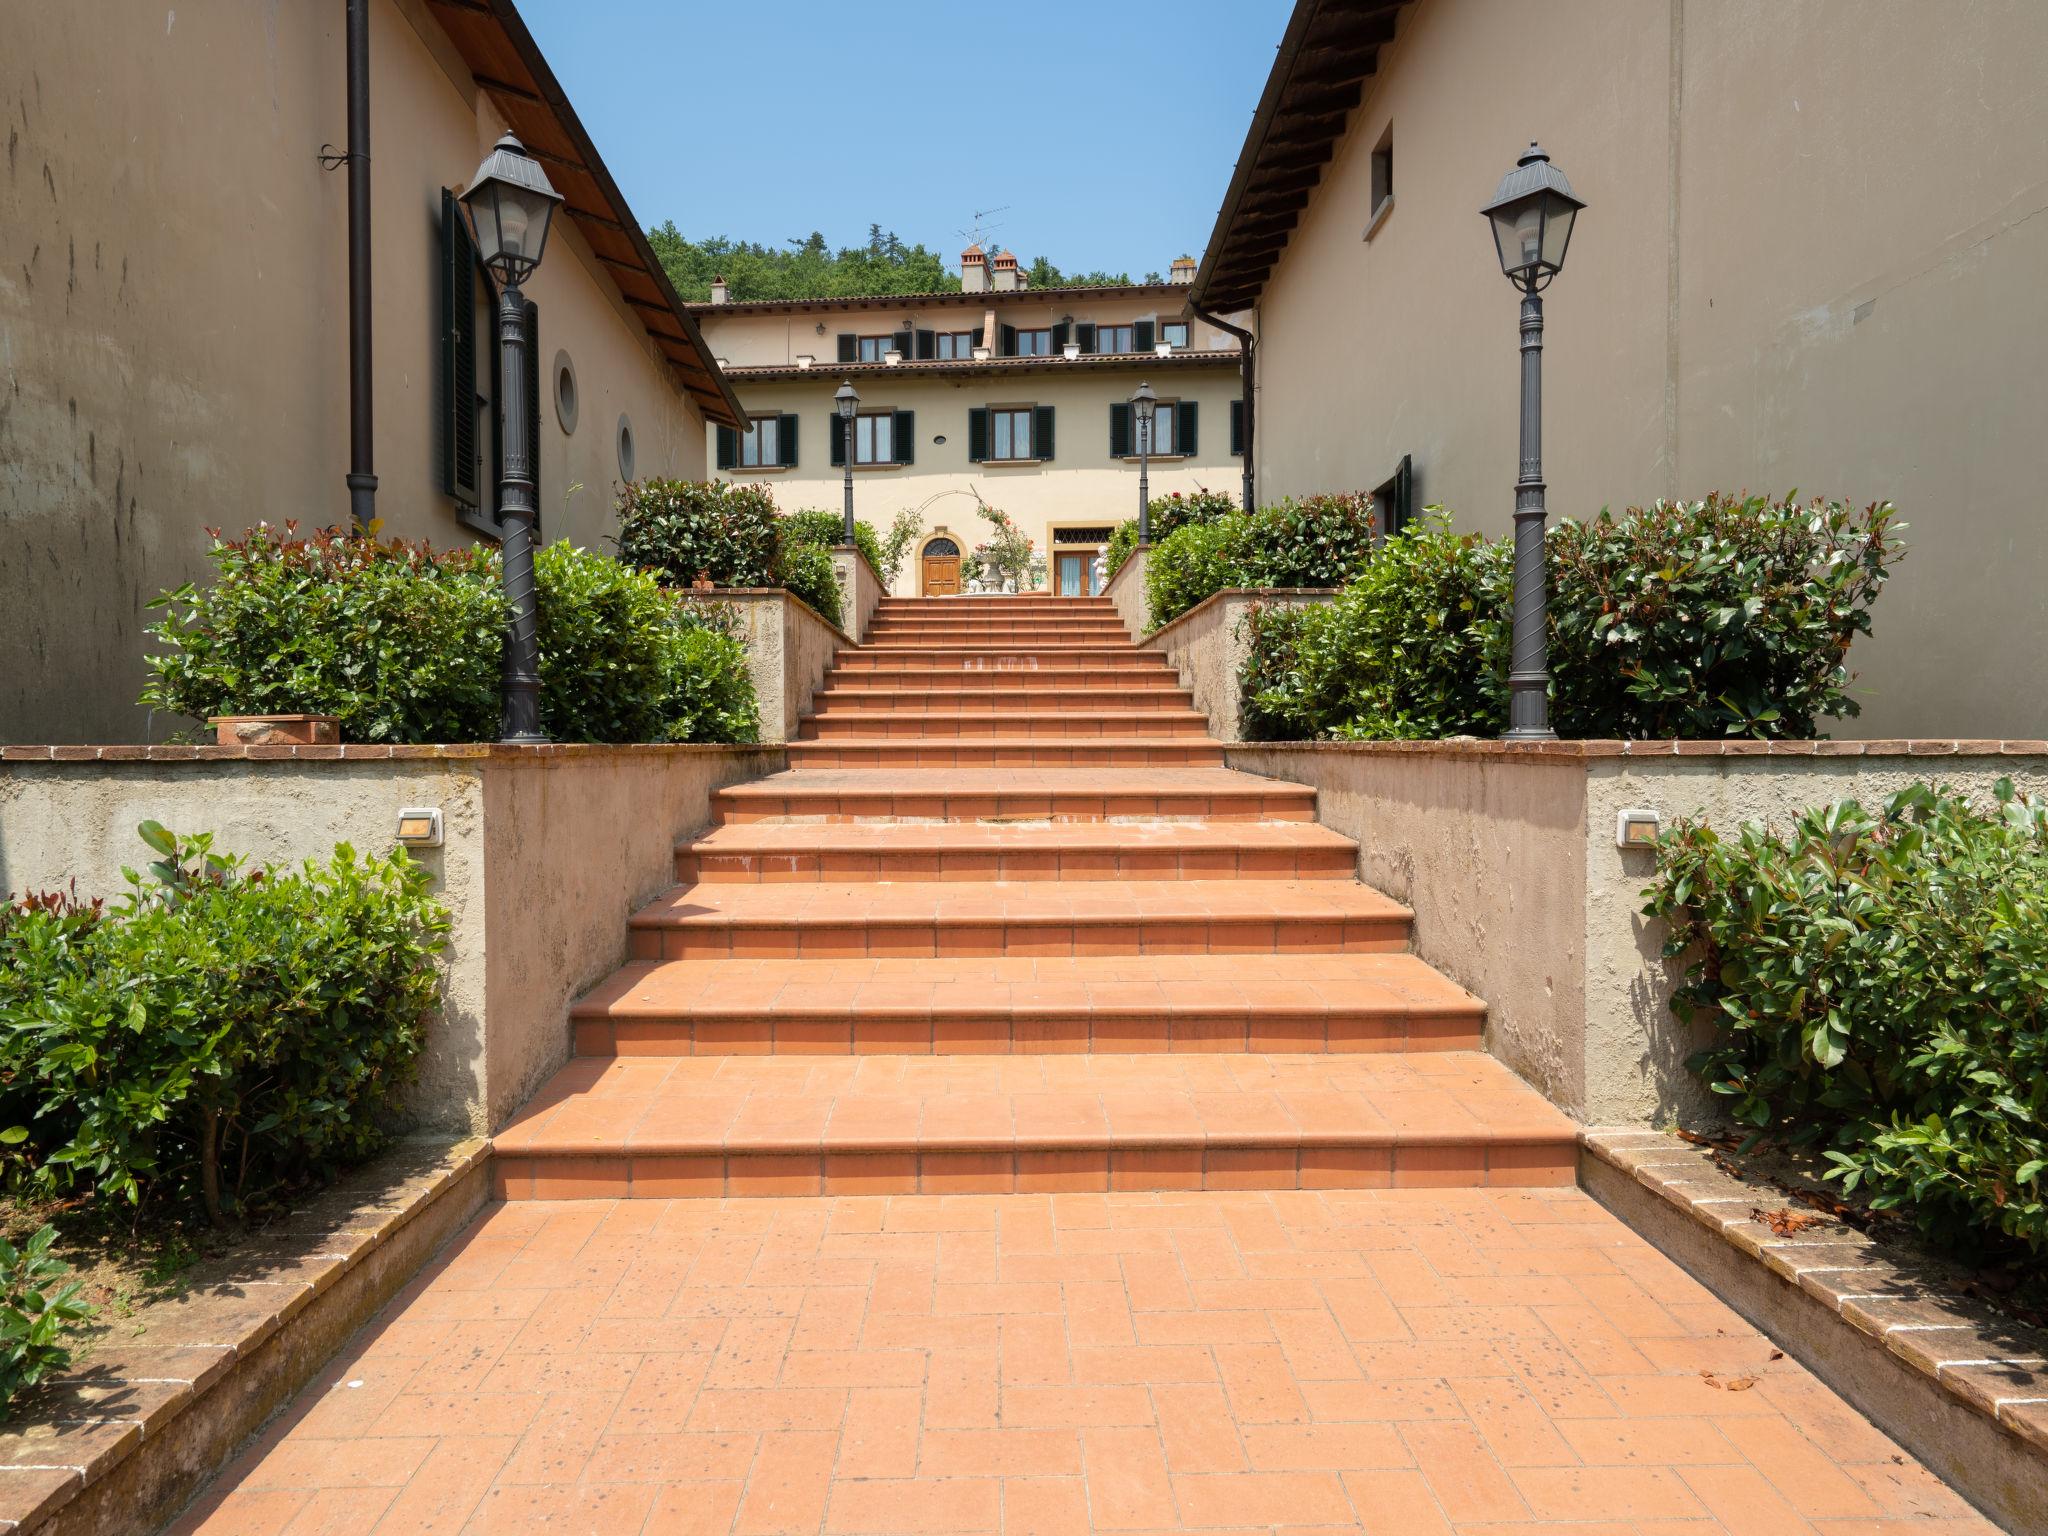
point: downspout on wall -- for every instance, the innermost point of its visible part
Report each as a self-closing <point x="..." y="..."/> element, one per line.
<point x="1248" y="360"/>
<point x="362" y="451"/>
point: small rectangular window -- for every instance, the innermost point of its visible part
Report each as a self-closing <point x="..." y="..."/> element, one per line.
<point x="1115" y="338"/>
<point x="874" y="438"/>
<point x="1034" y="343"/>
<point x="1382" y="182"/>
<point x="1174" y="332"/>
<point x="1010" y="433"/>
<point x="955" y="346"/>
<point x="872" y="347"/>
<point x="761" y="444"/>
<point x="1161" y="442"/>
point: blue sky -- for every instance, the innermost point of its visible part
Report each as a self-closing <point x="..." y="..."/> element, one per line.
<point x="1109" y="131"/>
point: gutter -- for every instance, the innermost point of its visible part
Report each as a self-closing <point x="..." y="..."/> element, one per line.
<point x="1248" y="365"/>
<point x="362" y="437"/>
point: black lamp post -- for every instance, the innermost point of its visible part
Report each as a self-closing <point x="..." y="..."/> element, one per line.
<point x="847" y="399"/>
<point x="1144" y="406"/>
<point x="510" y="204"/>
<point x="1532" y="216"/>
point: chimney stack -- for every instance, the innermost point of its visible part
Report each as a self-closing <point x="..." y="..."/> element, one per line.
<point x="974" y="270"/>
<point x="1004" y="274"/>
<point x="718" y="293"/>
<point x="1183" y="270"/>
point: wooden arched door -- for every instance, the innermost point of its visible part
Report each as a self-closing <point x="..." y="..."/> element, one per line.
<point x="941" y="568"/>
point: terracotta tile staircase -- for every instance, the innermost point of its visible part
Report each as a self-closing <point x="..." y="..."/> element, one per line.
<point x="1008" y="924"/>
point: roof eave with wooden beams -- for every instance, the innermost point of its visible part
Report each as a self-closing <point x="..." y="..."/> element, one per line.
<point x="1330" y="52"/>
<point x="508" y="67"/>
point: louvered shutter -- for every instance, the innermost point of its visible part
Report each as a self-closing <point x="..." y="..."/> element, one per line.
<point x="835" y="432"/>
<point x="904" y="437"/>
<point x="1120" y="430"/>
<point x="533" y="378"/>
<point x="849" y="347"/>
<point x="1008" y="337"/>
<point x="977" y="434"/>
<point x="459" y="456"/>
<point x="1041" y="432"/>
<point x="728" y="447"/>
<point x="1084" y="333"/>
<point x="1062" y="333"/>
<point x="927" y="345"/>
<point x="1186" y="428"/>
<point x="904" y="342"/>
<point x="1142" y="335"/>
<point x="977" y="337"/>
<point x="785" y="440"/>
<point x="1237" y="428"/>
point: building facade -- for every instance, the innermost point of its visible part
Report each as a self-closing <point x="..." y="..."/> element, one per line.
<point x="1811" y="259"/>
<point x="174" y="313"/>
<point x="998" y="394"/>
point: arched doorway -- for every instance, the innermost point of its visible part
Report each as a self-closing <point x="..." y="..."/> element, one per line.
<point x="940" y="568"/>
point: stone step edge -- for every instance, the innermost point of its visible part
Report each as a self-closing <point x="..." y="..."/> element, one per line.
<point x="1046" y="1167"/>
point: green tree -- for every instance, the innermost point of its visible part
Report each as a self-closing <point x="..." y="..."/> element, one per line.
<point x="799" y="269"/>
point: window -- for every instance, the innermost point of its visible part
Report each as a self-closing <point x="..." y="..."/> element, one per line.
<point x="762" y="443"/>
<point x="1174" y="332"/>
<point x="1034" y="343"/>
<point x="1382" y="182"/>
<point x="955" y="346"/>
<point x="1010" y="433"/>
<point x="1173" y="430"/>
<point x="1162" y="427"/>
<point x="872" y="348"/>
<point x="874" y="437"/>
<point x="1115" y="338"/>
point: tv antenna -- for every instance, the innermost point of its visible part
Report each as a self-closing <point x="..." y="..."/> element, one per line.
<point x="979" y="234"/>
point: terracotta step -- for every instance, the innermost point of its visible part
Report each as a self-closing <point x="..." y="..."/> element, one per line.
<point x="1030" y="723"/>
<point x="779" y="852"/>
<point x="1007" y="752"/>
<point x="834" y="920"/>
<point x="997" y="658"/>
<point x="914" y="679"/>
<point x="1022" y="1006"/>
<point x="841" y="796"/>
<point x="1105" y="632"/>
<point x="606" y="1127"/>
<point x="845" y="698"/>
<point x="987" y="602"/>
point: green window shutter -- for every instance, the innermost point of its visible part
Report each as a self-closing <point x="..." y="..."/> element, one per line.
<point x="533" y="382"/>
<point x="1237" y="428"/>
<point x="1008" y="335"/>
<point x="1187" y="434"/>
<point x="849" y="347"/>
<point x="977" y="337"/>
<point x="904" y="436"/>
<point x="1142" y="335"/>
<point x="904" y="342"/>
<point x="785" y="440"/>
<point x="1084" y="333"/>
<point x="977" y="434"/>
<point x="458" y="356"/>
<point x="728" y="447"/>
<point x="1120" y="430"/>
<point x="835" y="431"/>
<point x="1041" y="432"/>
<point x="1062" y="333"/>
<point x="927" y="345"/>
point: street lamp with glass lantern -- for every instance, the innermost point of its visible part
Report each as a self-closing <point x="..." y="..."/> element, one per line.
<point x="510" y="205"/>
<point x="847" y="401"/>
<point x="1532" y="214"/>
<point x="1144" y="407"/>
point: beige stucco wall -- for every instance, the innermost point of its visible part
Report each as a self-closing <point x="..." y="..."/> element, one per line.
<point x="173" y="302"/>
<point x="1208" y="645"/>
<point x="1126" y="591"/>
<point x="1082" y="486"/>
<point x="790" y="647"/>
<point x="1811" y="259"/>
<point x="860" y="590"/>
<point x="545" y="855"/>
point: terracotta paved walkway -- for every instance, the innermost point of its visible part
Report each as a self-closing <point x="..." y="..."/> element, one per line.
<point x="1503" y="1362"/>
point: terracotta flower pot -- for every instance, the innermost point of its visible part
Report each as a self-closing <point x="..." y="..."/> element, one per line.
<point x="276" y="730"/>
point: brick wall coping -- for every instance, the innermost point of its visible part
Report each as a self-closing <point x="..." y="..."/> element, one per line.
<point x="761" y="594"/>
<point x="202" y="1358"/>
<point x="364" y="752"/>
<point x="1226" y="593"/>
<point x="1581" y="750"/>
<point x="1988" y="1363"/>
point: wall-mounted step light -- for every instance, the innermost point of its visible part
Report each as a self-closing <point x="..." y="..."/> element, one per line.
<point x="420" y="827"/>
<point x="1636" y="829"/>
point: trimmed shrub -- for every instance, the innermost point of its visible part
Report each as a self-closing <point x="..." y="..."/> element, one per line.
<point x="399" y="640"/>
<point x="805" y="571"/>
<point x="222" y="1033"/>
<point x="684" y="529"/>
<point x="1879" y="988"/>
<point x="1415" y="648"/>
<point x="828" y="531"/>
<point x="1195" y="561"/>
<point x="1323" y="541"/>
<point x="710" y="690"/>
<point x="1167" y="514"/>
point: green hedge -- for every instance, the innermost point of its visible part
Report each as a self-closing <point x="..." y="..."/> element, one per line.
<point x="1321" y="541"/>
<point x="1879" y="987"/>
<point x="1722" y="617"/>
<point x="827" y="530"/>
<point x="732" y="534"/>
<point x="404" y="643"/>
<point x="223" y="1033"/>
<point x="1167" y="514"/>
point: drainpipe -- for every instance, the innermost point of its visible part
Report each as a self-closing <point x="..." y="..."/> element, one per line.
<point x="362" y="457"/>
<point x="1248" y="359"/>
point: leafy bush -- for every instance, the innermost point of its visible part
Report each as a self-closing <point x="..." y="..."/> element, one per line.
<point x="710" y="689"/>
<point x="1414" y="648"/>
<point x="221" y="1033"/>
<point x="1007" y="555"/>
<point x="401" y="641"/>
<point x="805" y="570"/>
<point x="1323" y="541"/>
<point x="1880" y="987"/>
<point x="1722" y="617"/>
<point x="1167" y="515"/>
<point x="827" y="530"/>
<point x="1194" y="562"/>
<point x="684" y="529"/>
<point x="905" y="529"/>
<point x="33" y="1316"/>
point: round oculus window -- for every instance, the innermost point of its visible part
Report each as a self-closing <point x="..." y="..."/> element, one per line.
<point x="625" y="448"/>
<point x="565" y="392"/>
